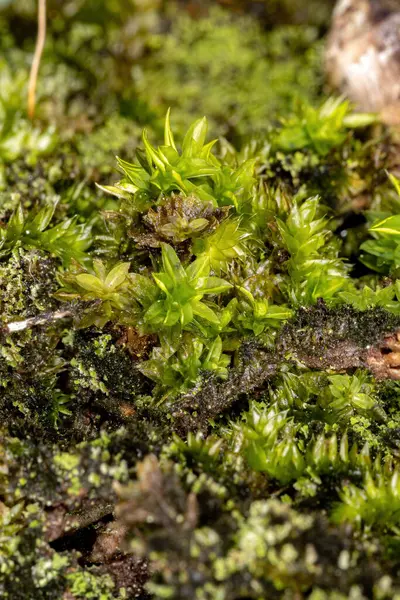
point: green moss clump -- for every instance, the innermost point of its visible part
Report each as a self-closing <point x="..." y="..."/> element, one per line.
<point x="260" y="71"/>
<point x="199" y="356"/>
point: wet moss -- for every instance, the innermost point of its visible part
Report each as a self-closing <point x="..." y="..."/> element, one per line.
<point x="199" y="393"/>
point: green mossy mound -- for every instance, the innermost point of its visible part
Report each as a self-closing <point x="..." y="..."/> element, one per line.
<point x="199" y="355"/>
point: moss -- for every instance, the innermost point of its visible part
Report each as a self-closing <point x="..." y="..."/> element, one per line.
<point x="199" y="360"/>
<point x="103" y="374"/>
<point x="267" y="548"/>
<point x="27" y="283"/>
<point x="336" y="338"/>
<point x="88" y="585"/>
<point x="192" y="60"/>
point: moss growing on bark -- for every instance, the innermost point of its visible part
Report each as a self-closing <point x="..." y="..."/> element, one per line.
<point x="200" y="356"/>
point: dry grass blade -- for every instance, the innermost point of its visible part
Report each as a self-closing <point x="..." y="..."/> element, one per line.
<point x="40" y="41"/>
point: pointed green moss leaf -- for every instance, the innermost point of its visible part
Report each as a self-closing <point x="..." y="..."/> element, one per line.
<point x="156" y="313"/>
<point x="117" y="275"/>
<point x="16" y="223"/>
<point x="215" y="350"/>
<point x="115" y="190"/>
<point x="171" y="263"/>
<point x="198" y="268"/>
<point x="43" y="218"/>
<point x="205" y="312"/>
<point x="168" y="135"/>
<point x="143" y="288"/>
<point x="173" y="315"/>
<point x="90" y="283"/>
<point x="278" y="312"/>
<point x="164" y="282"/>
<point x="195" y="137"/>
<point x="152" y="153"/>
<point x="389" y="226"/>
<point x="355" y="120"/>
<point x="99" y="269"/>
<point x="214" y="285"/>
<point x="186" y="314"/>
<point x="395" y="182"/>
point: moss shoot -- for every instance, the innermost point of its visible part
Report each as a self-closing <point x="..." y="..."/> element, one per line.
<point x="200" y="315"/>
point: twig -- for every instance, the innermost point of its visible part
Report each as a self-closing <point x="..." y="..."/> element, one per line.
<point x="34" y="321"/>
<point x="41" y="38"/>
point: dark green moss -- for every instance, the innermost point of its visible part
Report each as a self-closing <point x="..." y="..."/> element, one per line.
<point x="206" y="294"/>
